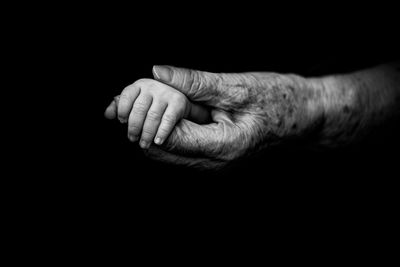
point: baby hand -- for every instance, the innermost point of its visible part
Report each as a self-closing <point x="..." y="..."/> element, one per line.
<point x="151" y="109"/>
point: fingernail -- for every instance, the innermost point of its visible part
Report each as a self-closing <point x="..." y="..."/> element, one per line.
<point x="132" y="138"/>
<point x="122" y="120"/>
<point x="144" y="144"/>
<point x="158" y="141"/>
<point x="162" y="73"/>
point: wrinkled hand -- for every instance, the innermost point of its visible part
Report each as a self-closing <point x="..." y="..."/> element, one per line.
<point x="250" y="111"/>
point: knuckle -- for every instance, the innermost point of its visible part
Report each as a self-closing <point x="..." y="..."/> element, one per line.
<point x="123" y="97"/>
<point x="139" y="108"/>
<point x="147" y="131"/>
<point x="177" y="96"/>
<point x="147" y="134"/>
<point x="195" y="82"/>
<point x="145" y="85"/>
<point x="169" y="119"/>
<point x="141" y="82"/>
<point x="165" y="130"/>
<point x="130" y="88"/>
<point x="153" y="116"/>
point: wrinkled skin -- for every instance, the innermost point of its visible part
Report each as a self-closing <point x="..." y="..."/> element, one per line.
<point x="249" y="110"/>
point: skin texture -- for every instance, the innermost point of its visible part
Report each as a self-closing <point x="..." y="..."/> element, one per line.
<point x="358" y="103"/>
<point x="252" y="111"/>
<point x="152" y="109"/>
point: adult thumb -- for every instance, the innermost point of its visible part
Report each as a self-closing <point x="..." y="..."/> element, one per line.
<point x="196" y="85"/>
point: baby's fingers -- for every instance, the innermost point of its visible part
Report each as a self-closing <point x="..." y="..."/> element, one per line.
<point x="111" y="110"/>
<point x="169" y="119"/>
<point x="153" y="119"/>
<point x="126" y="100"/>
<point x="138" y="115"/>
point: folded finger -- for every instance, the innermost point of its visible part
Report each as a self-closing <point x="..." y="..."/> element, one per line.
<point x="126" y="100"/>
<point x="159" y="154"/>
<point x="168" y="122"/>
<point x="153" y="120"/>
<point x="138" y="115"/>
<point x="219" y="140"/>
<point x="111" y="111"/>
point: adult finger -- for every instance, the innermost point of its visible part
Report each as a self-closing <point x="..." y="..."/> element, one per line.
<point x="196" y="85"/>
<point x="158" y="154"/>
<point x="138" y="115"/>
<point x="216" y="140"/>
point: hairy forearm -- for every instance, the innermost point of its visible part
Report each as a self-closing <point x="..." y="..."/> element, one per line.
<point x="355" y="104"/>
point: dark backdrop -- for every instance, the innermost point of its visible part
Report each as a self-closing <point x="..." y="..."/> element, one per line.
<point x="92" y="53"/>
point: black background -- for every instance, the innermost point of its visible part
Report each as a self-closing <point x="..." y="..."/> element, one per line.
<point x="81" y="57"/>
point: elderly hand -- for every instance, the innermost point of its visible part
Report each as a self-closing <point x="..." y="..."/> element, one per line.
<point x="250" y="111"/>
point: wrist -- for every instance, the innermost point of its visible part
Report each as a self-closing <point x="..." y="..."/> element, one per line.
<point x="337" y="93"/>
<point x="337" y="108"/>
<point x="310" y="100"/>
<point x="319" y="101"/>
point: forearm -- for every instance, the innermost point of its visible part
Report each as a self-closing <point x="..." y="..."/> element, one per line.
<point x="356" y="103"/>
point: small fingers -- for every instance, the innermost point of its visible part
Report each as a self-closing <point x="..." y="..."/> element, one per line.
<point x="169" y="119"/>
<point x="126" y="100"/>
<point x="153" y="119"/>
<point x="111" y="111"/>
<point x="138" y="115"/>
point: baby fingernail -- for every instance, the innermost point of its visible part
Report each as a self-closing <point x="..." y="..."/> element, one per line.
<point x="163" y="73"/>
<point x="132" y="138"/>
<point x="158" y="141"/>
<point x="122" y="120"/>
<point x="144" y="144"/>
